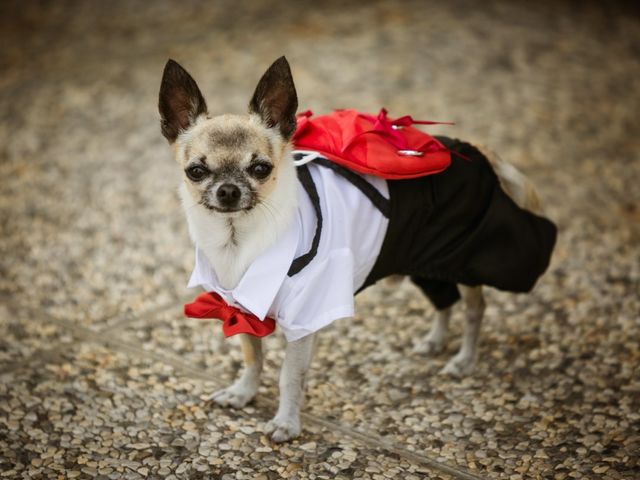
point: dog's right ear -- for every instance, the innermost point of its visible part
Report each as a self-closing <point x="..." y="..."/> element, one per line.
<point x="180" y="101"/>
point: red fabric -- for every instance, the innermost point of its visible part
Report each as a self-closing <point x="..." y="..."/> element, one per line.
<point x="234" y="320"/>
<point x="371" y="144"/>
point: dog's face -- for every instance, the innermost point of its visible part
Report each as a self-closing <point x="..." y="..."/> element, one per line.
<point x="230" y="162"/>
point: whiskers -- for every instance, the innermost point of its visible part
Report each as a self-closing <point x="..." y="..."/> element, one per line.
<point x="275" y="215"/>
<point x="205" y="205"/>
<point x="188" y="203"/>
<point x="268" y="209"/>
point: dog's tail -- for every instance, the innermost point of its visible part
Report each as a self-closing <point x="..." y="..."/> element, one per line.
<point x="514" y="182"/>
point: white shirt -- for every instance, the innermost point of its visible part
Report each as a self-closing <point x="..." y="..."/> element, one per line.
<point x="323" y="291"/>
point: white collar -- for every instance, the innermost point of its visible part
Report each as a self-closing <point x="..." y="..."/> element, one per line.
<point x="258" y="287"/>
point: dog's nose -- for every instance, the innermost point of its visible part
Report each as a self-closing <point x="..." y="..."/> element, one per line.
<point x="228" y="194"/>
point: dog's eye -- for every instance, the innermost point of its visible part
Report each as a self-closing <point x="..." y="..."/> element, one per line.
<point x="260" y="170"/>
<point x="196" y="173"/>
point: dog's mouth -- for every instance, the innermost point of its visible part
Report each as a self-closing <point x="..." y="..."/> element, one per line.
<point x="228" y="210"/>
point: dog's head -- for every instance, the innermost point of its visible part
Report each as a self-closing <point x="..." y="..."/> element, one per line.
<point x="231" y="163"/>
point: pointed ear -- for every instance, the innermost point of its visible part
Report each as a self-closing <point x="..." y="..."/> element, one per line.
<point x="180" y="101"/>
<point x="275" y="99"/>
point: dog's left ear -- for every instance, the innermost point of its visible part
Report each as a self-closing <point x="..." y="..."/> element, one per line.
<point x="275" y="99"/>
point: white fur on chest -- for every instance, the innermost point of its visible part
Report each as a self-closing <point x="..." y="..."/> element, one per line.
<point x="232" y="243"/>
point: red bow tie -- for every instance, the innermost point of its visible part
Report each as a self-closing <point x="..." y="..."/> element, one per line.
<point x="382" y="125"/>
<point x="212" y="305"/>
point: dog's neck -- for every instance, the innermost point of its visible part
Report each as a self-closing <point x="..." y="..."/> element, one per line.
<point x="232" y="243"/>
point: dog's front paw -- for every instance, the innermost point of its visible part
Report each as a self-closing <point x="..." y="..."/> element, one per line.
<point x="236" y="396"/>
<point x="459" y="366"/>
<point x="283" y="429"/>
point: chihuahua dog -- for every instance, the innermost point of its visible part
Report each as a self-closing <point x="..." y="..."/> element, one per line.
<point x="297" y="242"/>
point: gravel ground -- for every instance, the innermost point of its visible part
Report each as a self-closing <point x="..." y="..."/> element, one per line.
<point x="100" y="376"/>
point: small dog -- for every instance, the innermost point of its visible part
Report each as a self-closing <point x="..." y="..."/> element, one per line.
<point x="253" y="215"/>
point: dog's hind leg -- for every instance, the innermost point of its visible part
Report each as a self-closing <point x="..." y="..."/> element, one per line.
<point x="286" y="423"/>
<point x="442" y="295"/>
<point x="434" y="341"/>
<point x="464" y="361"/>
<point x="246" y="386"/>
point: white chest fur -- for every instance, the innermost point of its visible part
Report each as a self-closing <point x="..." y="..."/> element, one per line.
<point x="232" y="242"/>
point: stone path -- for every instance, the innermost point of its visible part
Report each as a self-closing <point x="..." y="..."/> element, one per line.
<point x="100" y="376"/>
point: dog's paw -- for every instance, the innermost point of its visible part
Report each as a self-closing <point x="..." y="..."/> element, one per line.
<point x="459" y="366"/>
<point x="236" y="396"/>
<point x="283" y="430"/>
<point x="428" y="347"/>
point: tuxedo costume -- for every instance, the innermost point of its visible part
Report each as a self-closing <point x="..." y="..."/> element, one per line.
<point x="350" y="230"/>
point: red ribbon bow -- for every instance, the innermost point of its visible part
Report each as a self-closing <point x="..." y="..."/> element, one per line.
<point x="234" y="320"/>
<point x="388" y="128"/>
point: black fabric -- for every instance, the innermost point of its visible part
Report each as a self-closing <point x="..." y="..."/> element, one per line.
<point x="459" y="226"/>
<point x="441" y="294"/>
<point x="304" y="176"/>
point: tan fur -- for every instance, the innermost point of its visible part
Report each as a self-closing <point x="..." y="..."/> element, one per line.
<point x="246" y="387"/>
<point x="248" y="351"/>
<point x="230" y="138"/>
<point x="517" y="186"/>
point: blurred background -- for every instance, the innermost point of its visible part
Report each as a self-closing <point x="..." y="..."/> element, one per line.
<point x="102" y="376"/>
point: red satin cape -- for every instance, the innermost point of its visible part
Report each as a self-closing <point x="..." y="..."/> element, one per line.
<point x="373" y="145"/>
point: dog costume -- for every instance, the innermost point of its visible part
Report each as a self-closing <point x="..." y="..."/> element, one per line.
<point x="378" y="197"/>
